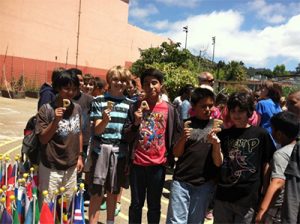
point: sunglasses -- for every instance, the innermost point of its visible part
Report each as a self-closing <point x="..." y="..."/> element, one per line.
<point x="207" y="80"/>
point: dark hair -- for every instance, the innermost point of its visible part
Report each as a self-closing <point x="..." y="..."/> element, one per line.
<point x="99" y="83"/>
<point x="201" y="93"/>
<point x="75" y="71"/>
<point x="56" y="72"/>
<point x="186" y="89"/>
<point x="152" y="72"/>
<point x="221" y="98"/>
<point x="242" y="100"/>
<point x="64" y="79"/>
<point x="87" y="78"/>
<point x="287" y="123"/>
<point x="274" y="91"/>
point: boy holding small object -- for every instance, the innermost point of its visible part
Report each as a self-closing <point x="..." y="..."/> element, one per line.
<point x="109" y="151"/>
<point x="151" y="130"/>
<point x="199" y="154"/>
<point x="59" y="130"/>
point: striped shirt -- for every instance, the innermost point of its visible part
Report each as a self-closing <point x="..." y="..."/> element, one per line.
<point x="112" y="133"/>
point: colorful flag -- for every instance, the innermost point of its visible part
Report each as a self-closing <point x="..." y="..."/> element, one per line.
<point x="8" y="200"/>
<point x="79" y="210"/>
<point x="65" y="213"/>
<point x="3" y="169"/>
<point x="21" y="198"/>
<point x="36" y="205"/>
<point x="46" y="215"/>
<point x="16" y="217"/>
<point x="6" y="217"/>
<point x="1" y="173"/>
<point x="29" y="213"/>
<point x="11" y="174"/>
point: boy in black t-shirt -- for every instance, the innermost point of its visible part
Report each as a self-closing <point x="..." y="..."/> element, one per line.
<point x="199" y="154"/>
<point x="247" y="151"/>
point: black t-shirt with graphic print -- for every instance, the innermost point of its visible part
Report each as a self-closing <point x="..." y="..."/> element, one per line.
<point x="245" y="152"/>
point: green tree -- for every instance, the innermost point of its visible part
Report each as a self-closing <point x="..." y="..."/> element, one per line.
<point x="279" y="70"/>
<point x="175" y="77"/>
<point x="166" y="53"/>
<point x="235" y="71"/>
<point x="220" y="70"/>
<point x="179" y="66"/>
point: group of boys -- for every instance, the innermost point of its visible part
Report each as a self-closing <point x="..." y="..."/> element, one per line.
<point x="132" y="142"/>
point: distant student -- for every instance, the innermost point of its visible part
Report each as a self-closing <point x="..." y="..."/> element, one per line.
<point x="269" y="105"/>
<point x="185" y="106"/>
<point x="199" y="154"/>
<point x="59" y="130"/>
<point x="247" y="151"/>
<point x="285" y="129"/>
<point x="47" y="92"/>
<point x="291" y="202"/>
<point x="109" y="151"/>
<point x="151" y="133"/>
<point x="99" y="87"/>
<point x="84" y="100"/>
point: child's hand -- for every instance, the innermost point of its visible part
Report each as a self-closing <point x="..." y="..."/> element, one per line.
<point x="187" y="133"/>
<point x="79" y="165"/>
<point x="106" y="115"/>
<point x="212" y="138"/>
<point x="138" y="115"/>
<point x="259" y="217"/>
<point x="59" y="112"/>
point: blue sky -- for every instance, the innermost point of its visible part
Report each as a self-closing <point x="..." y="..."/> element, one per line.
<point x="261" y="33"/>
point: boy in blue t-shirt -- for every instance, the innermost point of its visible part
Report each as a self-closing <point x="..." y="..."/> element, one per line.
<point x="109" y="151"/>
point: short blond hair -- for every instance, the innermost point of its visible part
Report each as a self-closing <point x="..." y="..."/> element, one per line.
<point x="120" y="72"/>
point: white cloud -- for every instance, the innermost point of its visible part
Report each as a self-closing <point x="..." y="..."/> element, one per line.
<point x="160" y="25"/>
<point x="254" y="47"/>
<point x="141" y="12"/>
<point x="274" y="13"/>
<point x="180" y="3"/>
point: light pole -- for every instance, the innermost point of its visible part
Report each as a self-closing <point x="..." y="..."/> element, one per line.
<point x="186" y="30"/>
<point x="214" y="44"/>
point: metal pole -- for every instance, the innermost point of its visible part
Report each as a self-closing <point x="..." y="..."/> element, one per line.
<point x="186" y="30"/>
<point x="67" y="55"/>
<point x="214" y="44"/>
<point x="78" y="32"/>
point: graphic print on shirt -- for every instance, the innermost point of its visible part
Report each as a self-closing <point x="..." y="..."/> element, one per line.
<point x="152" y="131"/>
<point x="239" y="162"/>
<point x="67" y="126"/>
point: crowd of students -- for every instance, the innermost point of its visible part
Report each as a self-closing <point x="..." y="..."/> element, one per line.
<point x="230" y="153"/>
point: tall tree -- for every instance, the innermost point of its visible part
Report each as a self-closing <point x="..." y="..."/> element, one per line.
<point x="235" y="71"/>
<point x="279" y="70"/>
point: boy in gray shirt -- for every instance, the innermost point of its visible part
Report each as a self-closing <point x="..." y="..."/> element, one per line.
<point x="284" y="131"/>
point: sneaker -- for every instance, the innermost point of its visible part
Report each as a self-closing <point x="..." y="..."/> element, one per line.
<point x="209" y="215"/>
<point x="103" y="206"/>
<point x="118" y="209"/>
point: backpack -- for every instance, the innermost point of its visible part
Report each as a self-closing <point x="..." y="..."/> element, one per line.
<point x="31" y="145"/>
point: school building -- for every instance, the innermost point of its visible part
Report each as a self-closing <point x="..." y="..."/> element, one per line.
<point x="94" y="35"/>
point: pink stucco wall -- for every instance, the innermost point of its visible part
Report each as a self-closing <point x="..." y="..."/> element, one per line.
<point x="37" y="36"/>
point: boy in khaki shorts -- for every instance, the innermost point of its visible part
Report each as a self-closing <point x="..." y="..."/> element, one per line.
<point x="59" y="130"/>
